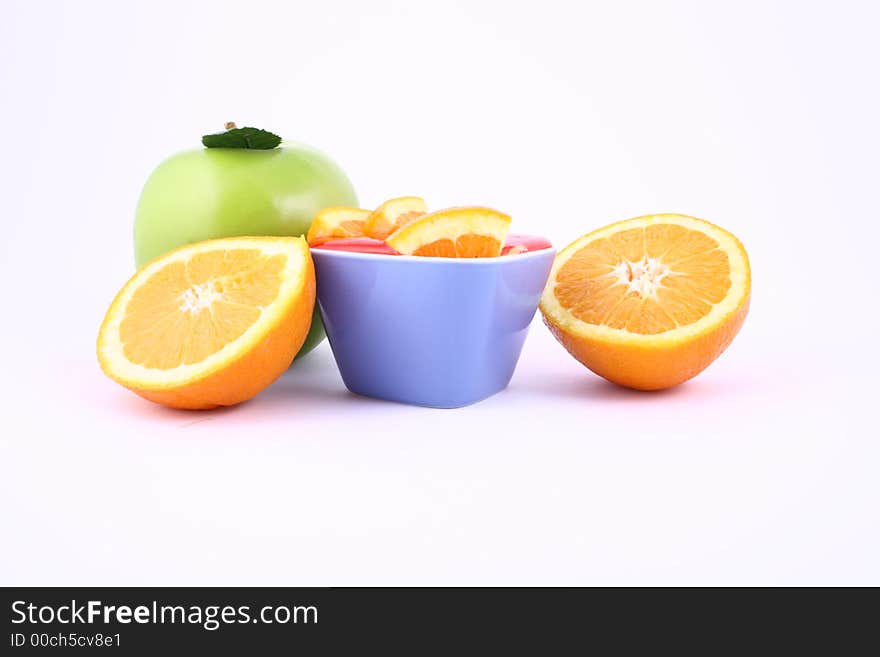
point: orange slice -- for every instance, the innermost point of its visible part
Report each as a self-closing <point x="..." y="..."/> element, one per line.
<point x="212" y="323"/>
<point x="649" y="302"/>
<point x="337" y="223"/>
<point x="392" y="214"/>
<point x="470" y="232"/>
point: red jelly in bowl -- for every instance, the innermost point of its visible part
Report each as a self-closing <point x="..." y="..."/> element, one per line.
<point x="515" y="244"/>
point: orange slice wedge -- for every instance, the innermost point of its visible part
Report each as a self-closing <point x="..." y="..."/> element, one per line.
<point x="392" y="214"/>
<point x="649" y="302"/>
<point x="212" y="323"/>
<point x="470" y="232"/>
<point x="337" y="223"/>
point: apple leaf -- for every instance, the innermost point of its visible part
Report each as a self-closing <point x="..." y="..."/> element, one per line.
<point x="242" y="138"/>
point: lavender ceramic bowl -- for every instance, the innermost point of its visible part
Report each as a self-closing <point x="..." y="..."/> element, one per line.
<point x="434" y="332"/>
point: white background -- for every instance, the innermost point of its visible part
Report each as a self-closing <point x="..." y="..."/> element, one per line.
<point x="762" y="117"/>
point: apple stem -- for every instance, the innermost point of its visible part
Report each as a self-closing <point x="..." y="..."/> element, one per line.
<point x="230" y="125"/>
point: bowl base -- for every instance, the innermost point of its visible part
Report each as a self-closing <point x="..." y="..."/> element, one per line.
<point x="424" y="403"/>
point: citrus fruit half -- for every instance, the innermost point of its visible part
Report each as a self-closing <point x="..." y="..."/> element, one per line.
<point x="649" y="302"/>
<point x="212" y="323"/>
<point x="337" y="223"/>
<point x="392" y="214"/>
<point x="470" y="232"/>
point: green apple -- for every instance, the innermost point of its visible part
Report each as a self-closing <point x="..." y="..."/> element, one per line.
<point x="227" y="192"/>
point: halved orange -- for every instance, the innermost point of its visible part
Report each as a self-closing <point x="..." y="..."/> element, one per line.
<point x="649" y="302"/>
<point x="337" y="223"/>
<point x="212" y="323"/>
<point x="392" y="214"/>
<point x="470" y="232"/>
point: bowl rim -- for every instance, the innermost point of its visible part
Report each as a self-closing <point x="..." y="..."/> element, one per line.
<point x="470" y="262"/>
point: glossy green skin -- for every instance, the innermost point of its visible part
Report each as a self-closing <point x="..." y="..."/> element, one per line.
<point x="228" y="192"/>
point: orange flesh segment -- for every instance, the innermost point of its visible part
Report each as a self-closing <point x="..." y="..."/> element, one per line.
<point x="645" y="280"/>
<point x="352" y="227"/>
<point x="337" y="223"/>
<point x="393" y="214"/>
<point x="463" y="232"/>
<point x="404" y="218"/>
<point x="381" y="229"/>
<point x="465" y="246"/>
<point x="186" y="312"/>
